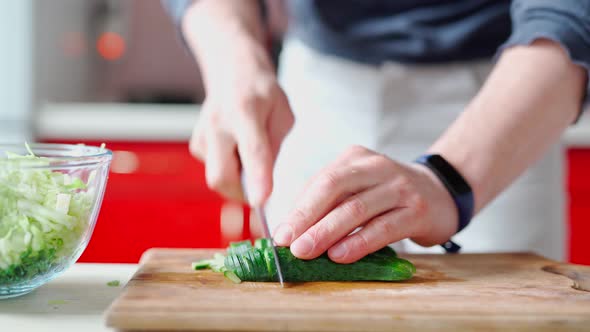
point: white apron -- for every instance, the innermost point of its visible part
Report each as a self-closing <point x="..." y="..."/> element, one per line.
<point x="399" y="110"/>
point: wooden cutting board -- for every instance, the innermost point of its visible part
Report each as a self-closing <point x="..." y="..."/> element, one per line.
<point x="448" y="293"/>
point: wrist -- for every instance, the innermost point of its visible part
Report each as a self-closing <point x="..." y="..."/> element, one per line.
<point x="454" y="184"/>
<point x="242" y="64"/>
<point x="230" y="60"/>
<point x="444" y="221"/>
<point x="224" y="18"/>
<point x="225" y="35"/>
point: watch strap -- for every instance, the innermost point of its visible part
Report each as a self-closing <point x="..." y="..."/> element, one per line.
<point x="457" y="187"/>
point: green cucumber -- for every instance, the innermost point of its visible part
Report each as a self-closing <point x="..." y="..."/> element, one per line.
<point x="245" y="262"/>
<point x="216" y="264"/>
<point x="263" y="243"/>
<point x="378" y="266"/>
<point x="201" y="265"/>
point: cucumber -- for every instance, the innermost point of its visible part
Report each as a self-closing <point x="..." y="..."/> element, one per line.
<point x="201" y="265"/>
<point x="381" y="266"/>
<point x="245" y="262"/>
<point x="216" y="264"/>
<point x="263" y="243"/>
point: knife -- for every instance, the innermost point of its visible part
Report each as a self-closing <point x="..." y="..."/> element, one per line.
<point x="259" y="210"/>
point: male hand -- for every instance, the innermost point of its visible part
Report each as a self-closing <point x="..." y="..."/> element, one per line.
<point x="242" y="126"/>
<point x="246" y="114"/>
<point x="390" y="201"/>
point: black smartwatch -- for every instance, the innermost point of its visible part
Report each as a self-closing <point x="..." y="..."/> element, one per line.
<point x="458" y="188"/>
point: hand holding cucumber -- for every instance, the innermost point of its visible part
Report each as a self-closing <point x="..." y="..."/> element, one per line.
<point x="391" y="201"/>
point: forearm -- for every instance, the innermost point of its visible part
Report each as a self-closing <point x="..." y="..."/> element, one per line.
<point x="533" y="94"/>
<point x="219" y="30"/>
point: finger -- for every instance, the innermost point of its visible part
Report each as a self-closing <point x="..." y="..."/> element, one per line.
<point x="280" y="122"/>
<point x="256" y="230"/>
<point x="322" y="194"/>
<point x="255" y="155"/>
<point x="346" y="217"/>
<point x="387" y="228"/>
<point x="198" y="141"/>
<point x="222" y="165"/>
<point x="352" y="158"/>
<point x="197" y="144"/>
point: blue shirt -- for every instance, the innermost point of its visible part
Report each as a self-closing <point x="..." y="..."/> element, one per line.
<point x="416" y="31"/>
<point x="433" y="31"/>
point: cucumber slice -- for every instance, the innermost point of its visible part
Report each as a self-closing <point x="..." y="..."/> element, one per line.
<point x="232" y="276"/>
<point x="263" y="243"/>
<point x="201" y="265"/>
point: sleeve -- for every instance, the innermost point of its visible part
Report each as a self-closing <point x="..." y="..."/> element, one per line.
<point x="566" y="22"/>
<point x="176" y="9"/>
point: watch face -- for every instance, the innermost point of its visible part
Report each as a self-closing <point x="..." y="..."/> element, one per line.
<point x="454" y="179"/>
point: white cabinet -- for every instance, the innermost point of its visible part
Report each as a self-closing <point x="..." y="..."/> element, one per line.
<point x="15" y="64"/>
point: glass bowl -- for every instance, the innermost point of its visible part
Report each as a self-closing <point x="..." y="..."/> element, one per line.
<point x="50" y="196"/>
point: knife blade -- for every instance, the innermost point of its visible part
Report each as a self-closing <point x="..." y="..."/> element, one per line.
<point x="259" y="211"/>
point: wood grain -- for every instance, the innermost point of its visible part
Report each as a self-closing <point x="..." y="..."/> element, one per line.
<point x="484" y="292"/>
<point x="579" y="274"/>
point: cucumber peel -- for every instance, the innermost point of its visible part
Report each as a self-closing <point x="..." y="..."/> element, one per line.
<point x="244" y="262"/>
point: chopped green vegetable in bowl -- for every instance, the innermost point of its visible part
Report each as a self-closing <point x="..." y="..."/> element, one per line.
<point x="50" y="196"/>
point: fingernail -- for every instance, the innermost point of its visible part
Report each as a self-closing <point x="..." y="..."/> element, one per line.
<point x="283" y="235"/>
<point x="302" y="246"/>
<point x="339" y="251"/>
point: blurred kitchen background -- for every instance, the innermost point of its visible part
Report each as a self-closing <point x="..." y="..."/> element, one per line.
<point x="115" y="71"/>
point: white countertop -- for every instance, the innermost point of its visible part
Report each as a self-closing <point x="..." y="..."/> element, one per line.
<point x="74" y="301"/>
<point x="116" y="122"/>
<point x="161" y="122"/>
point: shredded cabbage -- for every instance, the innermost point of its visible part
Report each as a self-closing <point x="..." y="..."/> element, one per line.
<point x="43" y="217"/>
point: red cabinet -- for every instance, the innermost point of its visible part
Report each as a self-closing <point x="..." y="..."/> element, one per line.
<point x="578" y="188"/>
<point x="156" y="197"/>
